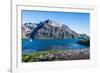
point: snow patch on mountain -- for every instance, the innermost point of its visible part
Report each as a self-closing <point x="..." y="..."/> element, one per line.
<point x="53" y="23"/>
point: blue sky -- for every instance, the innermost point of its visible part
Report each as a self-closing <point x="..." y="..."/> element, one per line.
<point x="79" y="22"/>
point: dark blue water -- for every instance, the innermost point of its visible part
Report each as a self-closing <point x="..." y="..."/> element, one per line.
<point x="42" y="45"/>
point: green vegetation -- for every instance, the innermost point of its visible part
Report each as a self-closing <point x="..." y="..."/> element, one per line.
<point x="85" y="42"/>
<point x="56" y="55"/>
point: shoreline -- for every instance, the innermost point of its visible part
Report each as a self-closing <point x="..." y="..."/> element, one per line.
<point x="57" y="55"/>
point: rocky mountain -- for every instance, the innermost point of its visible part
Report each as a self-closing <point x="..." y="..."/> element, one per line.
<point x="47" y="30"/>
<point x="83" y="36"/>
<point x="27" y="28"/>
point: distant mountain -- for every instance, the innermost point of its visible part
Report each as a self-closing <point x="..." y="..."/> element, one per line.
<point x="47" y="30"/>
<point x="27" y="28"/>
<point x="83" y="36"/>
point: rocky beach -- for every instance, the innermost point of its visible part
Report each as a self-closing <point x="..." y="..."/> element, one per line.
<point x="57" y="55"/>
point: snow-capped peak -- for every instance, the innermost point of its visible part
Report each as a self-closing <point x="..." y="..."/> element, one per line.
<point x="53" y="23"/>
<point x="56" y="24"/>
<point x="30" y="24"/>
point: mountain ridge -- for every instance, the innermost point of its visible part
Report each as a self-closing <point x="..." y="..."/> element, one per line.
<point x="47" y="29"/>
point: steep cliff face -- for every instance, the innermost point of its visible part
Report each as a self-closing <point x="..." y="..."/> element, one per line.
<point x="47" y="30"/>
